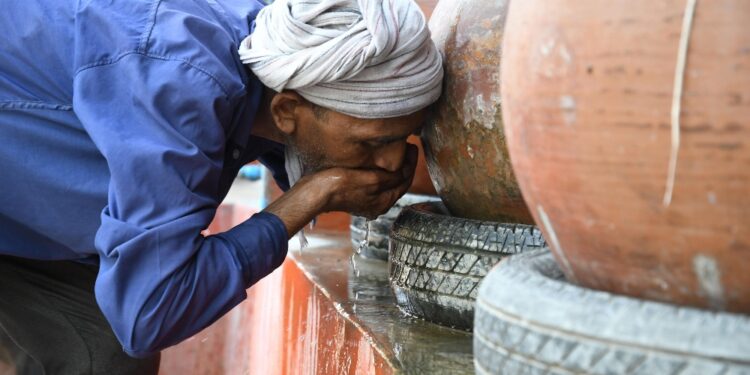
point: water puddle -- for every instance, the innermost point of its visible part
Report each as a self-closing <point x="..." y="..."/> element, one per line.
<point x="360" y="291"/>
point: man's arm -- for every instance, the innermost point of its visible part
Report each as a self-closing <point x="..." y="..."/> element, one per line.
<point x="158" y="122"/>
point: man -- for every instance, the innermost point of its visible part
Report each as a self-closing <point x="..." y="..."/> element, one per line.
<point x="124" y="124"/>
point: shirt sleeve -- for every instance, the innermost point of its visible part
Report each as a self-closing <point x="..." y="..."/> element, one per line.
<point x="159" y="124"/>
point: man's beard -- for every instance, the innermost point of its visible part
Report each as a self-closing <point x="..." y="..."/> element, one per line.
<point x="294" y="165"/>
<point x="299" y="164"/>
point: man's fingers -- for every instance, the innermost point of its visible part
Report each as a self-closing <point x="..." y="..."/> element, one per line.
<point x="410" y="161"/>
<point x="385" y="180"/>
<point x="398" y="191"/>
<point x="374" y="191"/>
<point x="410" y="167"/>
<point x="405" y="174"/>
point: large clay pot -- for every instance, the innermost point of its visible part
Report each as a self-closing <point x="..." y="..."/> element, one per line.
<point x="587" y="93"/>
<point x="465" y="141"/>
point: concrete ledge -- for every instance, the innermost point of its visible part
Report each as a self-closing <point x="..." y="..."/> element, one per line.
<point x="322" y="312"/>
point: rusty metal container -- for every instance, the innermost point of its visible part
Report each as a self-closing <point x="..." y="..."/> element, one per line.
<point x="465" y="141"/>
<point x="632" y="199"/>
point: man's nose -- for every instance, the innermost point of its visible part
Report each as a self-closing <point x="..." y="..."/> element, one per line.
<point x="391" y="157"/>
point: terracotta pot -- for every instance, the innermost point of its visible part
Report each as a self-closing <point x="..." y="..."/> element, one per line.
<point x="587" y="93"/>
<point x="465" y="141"/>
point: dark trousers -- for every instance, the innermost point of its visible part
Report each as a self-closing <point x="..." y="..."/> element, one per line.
<point x="50" y="322"/>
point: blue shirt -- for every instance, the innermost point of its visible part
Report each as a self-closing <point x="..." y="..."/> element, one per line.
<point x="123" y="124"/>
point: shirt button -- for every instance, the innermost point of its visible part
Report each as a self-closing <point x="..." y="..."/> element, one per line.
<point x="236" y="154"/>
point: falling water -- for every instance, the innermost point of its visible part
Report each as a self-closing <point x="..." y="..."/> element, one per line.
<point x="363" y="245"/>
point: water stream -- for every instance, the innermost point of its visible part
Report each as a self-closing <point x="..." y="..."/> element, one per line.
<point x="363" y="245"/>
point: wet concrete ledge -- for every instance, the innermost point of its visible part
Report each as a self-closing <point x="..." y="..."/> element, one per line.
<point x="359" y="290"/>
<point x="324" y="311"/>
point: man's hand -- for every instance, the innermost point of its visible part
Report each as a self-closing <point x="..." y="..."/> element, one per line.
<point x="363" y="192"/>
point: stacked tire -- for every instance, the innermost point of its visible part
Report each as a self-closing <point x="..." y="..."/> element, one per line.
<point x="437" y="260"/>
<point x="531" y="320"/>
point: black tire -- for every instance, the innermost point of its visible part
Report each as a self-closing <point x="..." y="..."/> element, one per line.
<point x="529" y="320"/>
<point x="437" y="260"/>
<point x="380" y="228"/>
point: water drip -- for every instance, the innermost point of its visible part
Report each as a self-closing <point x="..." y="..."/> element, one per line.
<point x="363" y="244"/>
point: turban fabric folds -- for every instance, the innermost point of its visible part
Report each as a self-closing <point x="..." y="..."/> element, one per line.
<point x="363" y="58"/>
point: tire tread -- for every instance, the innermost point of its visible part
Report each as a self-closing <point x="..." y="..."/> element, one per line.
<point x="434" y="267"/>
<point x="530" y="345"/>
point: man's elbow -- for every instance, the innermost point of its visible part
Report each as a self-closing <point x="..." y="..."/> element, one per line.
<point x="138" y="336"/>
<point x="141" y="353"/>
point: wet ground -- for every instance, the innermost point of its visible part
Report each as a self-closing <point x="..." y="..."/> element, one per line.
<point x="359" y="289"/>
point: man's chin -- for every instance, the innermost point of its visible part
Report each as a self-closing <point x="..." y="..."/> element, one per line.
<point x="312" y="168"/>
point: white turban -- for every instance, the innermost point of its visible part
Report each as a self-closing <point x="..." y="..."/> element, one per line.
<point x="364" y="58"/>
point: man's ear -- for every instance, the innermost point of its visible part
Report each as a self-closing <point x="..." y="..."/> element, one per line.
<point x="284" y="110"/>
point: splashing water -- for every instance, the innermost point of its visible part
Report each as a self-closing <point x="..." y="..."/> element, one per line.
<point x="363" y="244"/>
<point x="303" y="243"/>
